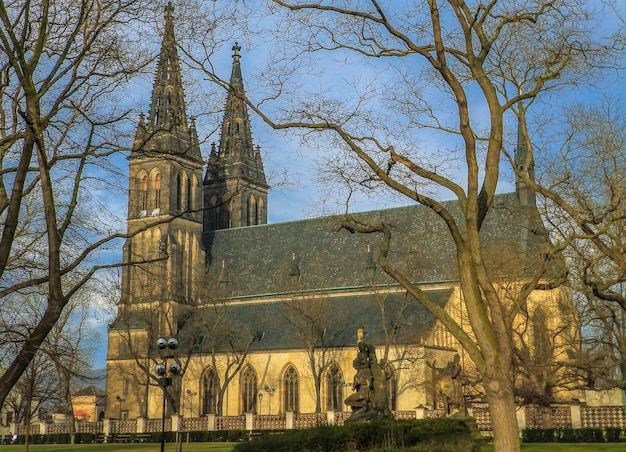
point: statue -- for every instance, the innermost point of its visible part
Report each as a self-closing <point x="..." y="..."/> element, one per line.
<point x="369" y="401"/>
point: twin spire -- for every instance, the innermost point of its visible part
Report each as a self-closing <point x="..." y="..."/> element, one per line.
<point x="168" y="98"/>
<point x="236" y="156"/>
<point x="167" y="130"/>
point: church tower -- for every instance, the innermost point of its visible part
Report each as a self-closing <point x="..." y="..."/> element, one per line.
<point x="235" y="189"/>
<point x="164" y="203"/>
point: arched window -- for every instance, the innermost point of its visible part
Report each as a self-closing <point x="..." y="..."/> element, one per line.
<point x="252" y="218"/>
<point x="157" y="191"/>
<point x="543" y="346"/>
<point x="179" y="194"/>
<point x="334" y="389"/>
<point x="143" y="188"/>
<point x="290" y="389"/>
<point x="260" y="211"/>
<point x="188" y="195"/>
<point x="210" y="386"/>
<point x="248" y="390"/>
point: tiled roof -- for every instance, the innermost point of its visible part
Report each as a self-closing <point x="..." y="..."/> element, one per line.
<point x="263" y="259"/>
<point x="277" y="325"/>
<point x="90" y="390"/>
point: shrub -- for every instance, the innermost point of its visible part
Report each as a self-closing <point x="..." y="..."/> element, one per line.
<point x="579" y="435"/>
<point x="614" y="435"/>
<point x="427" y="435"/>
<point x="538" y="435"/>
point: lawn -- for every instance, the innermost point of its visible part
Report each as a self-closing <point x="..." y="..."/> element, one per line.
<point x="227" y="447"/>
<point x="595" y="447"/>
<point x="144" y="447"/>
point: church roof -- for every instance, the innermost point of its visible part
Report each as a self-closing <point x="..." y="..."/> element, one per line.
<point x="90" y="390"/>
<point x="280" y="325"/>
<point x="316" y="254"/>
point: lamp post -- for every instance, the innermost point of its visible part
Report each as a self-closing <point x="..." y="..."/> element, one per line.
<point x="191" y="394"/>
<point x="120" y="400"/>
<point x="270" y="392"/>
<point x="162" y="372"/>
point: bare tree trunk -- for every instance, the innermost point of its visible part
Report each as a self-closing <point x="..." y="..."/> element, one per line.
<point x="503" y="418"/>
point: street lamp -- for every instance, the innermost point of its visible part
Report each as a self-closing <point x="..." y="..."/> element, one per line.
<point x="120" y="400"/>
<point x="161" y="370"/>
<point x="270" y="391"/>
<point x="191" y="394"/>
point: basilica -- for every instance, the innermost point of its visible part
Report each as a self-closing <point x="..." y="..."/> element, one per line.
<point x="267" y="317"/>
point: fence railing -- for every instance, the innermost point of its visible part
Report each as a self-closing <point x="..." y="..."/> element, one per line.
<point x="561" y="416"/>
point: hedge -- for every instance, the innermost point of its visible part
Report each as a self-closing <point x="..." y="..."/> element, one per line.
<point x="573" y="435"/>
<point x="445" y="435"/>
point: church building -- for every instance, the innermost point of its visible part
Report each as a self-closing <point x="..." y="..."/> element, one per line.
<point x="267" y="316"/>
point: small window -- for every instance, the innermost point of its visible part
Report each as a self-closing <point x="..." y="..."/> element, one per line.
<point x="143" y="202"/>
<point x="157" y="191"/>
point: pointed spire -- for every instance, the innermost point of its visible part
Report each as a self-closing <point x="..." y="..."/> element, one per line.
<point x="166" y="129"/>
<point x="141" y="134"/>
<point x="168" y="99"/>
<point x="236" y="154"/>
<point x="236" y="80"/>
<point x="235" y="188"/>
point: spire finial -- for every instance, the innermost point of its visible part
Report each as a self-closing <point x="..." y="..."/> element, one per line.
<point x="236" y="49"/>
<point x="169" y="9"/>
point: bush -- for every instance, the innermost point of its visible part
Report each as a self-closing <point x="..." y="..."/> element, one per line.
<point x="416" y="435"/>
<point x="579" y="435"/>
<point x="614" y="435"/>
<point x="538" y="435"/>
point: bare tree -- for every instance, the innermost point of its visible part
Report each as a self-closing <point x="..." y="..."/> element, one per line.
<point x="60" y="63"/>
<point x="316" y="326"/>
<point x="227" y="341"/>
<point x="584" y="182"/>
<point x="435" y="73"/>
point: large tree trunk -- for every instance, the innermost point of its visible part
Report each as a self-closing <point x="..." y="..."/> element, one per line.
<point x="503" y="416"/>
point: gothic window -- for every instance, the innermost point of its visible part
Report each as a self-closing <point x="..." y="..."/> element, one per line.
<point x="334" y="389"/>
<point x="252" y="217"/>
<point x="260" y="211"/>
<point x="248" y="390"/>
<point x="224" y="219"/>
<point x="210" y="390"/>
<point x="213" y="214"/>
<point x="179" y="193"/>
<point x="290" y="389"/>
<point x="143" y="189"/>
<point x="157" y="191"/>
<point x="188" y="195"/>
<point x="543" y="347"/>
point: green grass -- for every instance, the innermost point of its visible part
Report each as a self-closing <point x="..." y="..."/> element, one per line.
<point x="579" y="447"/>
<point x="227" y="447"/>
<point x="144" y="447"/>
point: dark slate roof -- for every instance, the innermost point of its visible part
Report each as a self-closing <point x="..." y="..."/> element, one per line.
<point x="276" y="324"/>
<point x="259" y="259"/>
<point x="90" y="390"/>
